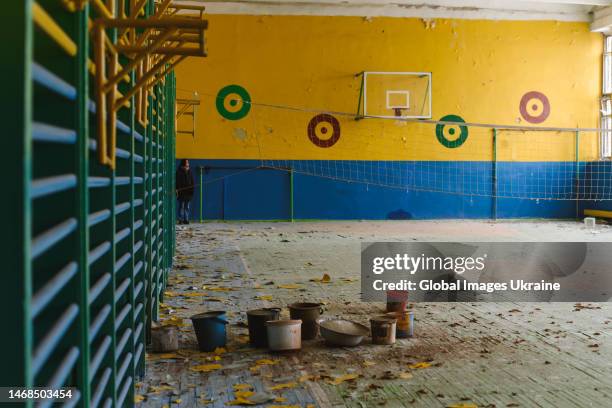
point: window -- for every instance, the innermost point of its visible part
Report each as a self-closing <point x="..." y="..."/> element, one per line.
<point x="606" y="101"/>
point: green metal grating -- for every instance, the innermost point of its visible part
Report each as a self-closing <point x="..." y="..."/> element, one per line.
<point x="89" y="247"/>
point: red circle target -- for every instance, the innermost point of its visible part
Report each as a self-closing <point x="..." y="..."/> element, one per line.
<point x="322" y="124"/>
<point x="531" y="101"/>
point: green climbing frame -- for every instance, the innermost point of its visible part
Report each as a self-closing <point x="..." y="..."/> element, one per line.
<point x="89" y="248"/>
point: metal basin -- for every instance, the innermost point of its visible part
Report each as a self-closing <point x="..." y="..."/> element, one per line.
<point x="340" y="332"/>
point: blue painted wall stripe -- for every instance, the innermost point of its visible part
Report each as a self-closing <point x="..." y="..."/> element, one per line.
<point x="243" y="190"/>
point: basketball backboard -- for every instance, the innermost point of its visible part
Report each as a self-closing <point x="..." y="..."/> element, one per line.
<point x="395" y="95"/>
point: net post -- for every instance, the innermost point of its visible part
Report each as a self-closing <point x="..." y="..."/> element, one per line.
<point x="494" y="181"/>
<point x="577" y="160"/>
<point x="201" y="193"/>
<point x="291" y="185"/>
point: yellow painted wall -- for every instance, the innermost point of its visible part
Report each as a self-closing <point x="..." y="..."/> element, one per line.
<point x="480" y="71"/>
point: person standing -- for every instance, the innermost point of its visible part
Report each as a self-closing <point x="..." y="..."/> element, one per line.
<point x="184" y="190"/>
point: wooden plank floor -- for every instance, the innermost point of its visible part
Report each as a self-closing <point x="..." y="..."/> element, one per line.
<point x="485" y="354"/>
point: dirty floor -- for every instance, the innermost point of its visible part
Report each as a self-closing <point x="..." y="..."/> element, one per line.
<point x="462" y="355"/>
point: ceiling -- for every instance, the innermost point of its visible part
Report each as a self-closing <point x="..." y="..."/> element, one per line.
<point x="598" y="12"/>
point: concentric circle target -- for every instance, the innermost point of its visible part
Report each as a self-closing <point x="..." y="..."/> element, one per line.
<point x="451" y="136"/>
<point x="233" y="102"/>
<point x="534" y="107"/>
<point x="324" y="130"/>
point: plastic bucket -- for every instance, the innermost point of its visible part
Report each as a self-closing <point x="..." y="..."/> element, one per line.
<point x="397" y="300"/>
<point x="284" y="335"/>
<point x="258" y="334"/>
<point x="308" y="313"/>
<point x="405" y="323"/>
<point x="210" y="331"/>
<point x="383" y="329"/>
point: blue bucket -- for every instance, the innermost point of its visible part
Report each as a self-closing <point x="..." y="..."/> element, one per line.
<point x="209" y="328"/>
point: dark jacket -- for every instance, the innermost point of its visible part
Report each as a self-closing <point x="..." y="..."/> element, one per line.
<point x="184" y="183"/>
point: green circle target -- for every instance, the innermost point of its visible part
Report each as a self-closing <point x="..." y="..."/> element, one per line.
<point x="230" y="97"/>
<point x="463" y="135"/>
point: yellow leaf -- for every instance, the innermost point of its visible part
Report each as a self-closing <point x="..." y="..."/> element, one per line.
<point x="163" y="356"/>
<point x="368" y="363"/>
<point x="194" y="294"/>
<point x="243" y="394"/>
<point x="266" y="361"/>
<point x="305" y="378"/>
<point x="324" y="279"/>
<point x="157" y="389"/>
<point x="177" y="402"/>
<point x="289" y="286"/>
<point x="220" y="289"/>
<point x="283" y="386"/>
<point x="243" y="387"/>
<point x="280" y="399"/>
<point x="405" y="376"/>
<point x="138" y="398"/>
<point x="220" y="350"/>
<point x="310" y="406"/>
<point x="241" y="401"/>
<point x="264" y="297"/>
<point x="422" y="364"/>
<point x="343" y="378"/>
<point x="205" y="367"/>
<point x="462" y="405"/>
<point x="170" y="294"/>
<point x="205" y="401"/>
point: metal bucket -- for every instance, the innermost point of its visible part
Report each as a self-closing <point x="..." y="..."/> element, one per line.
<point x="210" y="331"/>
<point x="258" y="334"/>
<point x="308" y="313"/>
<point x="383" y="329"/>
<point x="405" y="323"/>
<point x="284" y="335"/>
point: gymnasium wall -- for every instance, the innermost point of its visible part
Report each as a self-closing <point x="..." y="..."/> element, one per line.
<point x="482" y="72"/>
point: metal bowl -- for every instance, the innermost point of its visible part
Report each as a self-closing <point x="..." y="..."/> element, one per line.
<point x="341" y="332"/>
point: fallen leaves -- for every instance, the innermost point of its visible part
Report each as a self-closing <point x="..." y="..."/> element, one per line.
<point x="306" y="377"/>
<point x="289" y="286"/>
<point x="266" y="361"/>
<point x="324" y="279"/>
<point x="138" y="398"/>
<point x="422" y="364"/>
<point x="194" y="294"/>
<point x="346" y="377"/>
<point x="204" y="368"/>
<point x="264" y="297"/>
<point x="163" y="356"/>
<point x="283" y="386"/>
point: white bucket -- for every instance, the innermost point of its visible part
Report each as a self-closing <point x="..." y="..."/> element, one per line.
<point x="589" y="222"/>
<point x="284" y="334"/>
